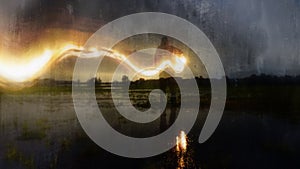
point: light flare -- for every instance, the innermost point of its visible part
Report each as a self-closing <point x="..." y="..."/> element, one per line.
<point x="24" y="71"/>
<point x="177" y="65"/>
<point x="181" y="142"/>
<point x="19" y="72"/>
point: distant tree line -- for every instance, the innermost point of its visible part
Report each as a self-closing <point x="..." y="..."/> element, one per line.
<point x="171" y="81"/>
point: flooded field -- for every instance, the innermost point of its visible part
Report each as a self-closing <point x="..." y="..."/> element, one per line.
<point x="41" y="130"/>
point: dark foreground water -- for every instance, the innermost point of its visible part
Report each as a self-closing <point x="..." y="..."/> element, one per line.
<point x="42" y="131"/>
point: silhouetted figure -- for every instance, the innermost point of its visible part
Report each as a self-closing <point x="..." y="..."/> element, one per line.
<point x="166" y="83"/>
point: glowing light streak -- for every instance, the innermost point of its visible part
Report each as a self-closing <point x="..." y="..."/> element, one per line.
<point x="18" y="72"/>
<point x="181" y="142"/>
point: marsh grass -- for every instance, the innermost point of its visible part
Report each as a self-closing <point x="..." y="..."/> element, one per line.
<point x="39" y="133"/>
<point x="14" y="155"/>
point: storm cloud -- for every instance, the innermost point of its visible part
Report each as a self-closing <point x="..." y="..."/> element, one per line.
<point x="251" y="37"/>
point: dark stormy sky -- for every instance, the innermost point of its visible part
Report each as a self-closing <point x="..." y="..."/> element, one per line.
<point x="251" y="36"/>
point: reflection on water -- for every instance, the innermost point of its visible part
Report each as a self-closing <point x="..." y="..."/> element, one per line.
<point x="181" y="142"/>
<point x="41" y="131"/>
<point x="181" y="146"/>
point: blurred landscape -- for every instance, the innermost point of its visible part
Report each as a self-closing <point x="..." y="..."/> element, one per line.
<point x="257" y="42"/>
<point x="39" y="127"/>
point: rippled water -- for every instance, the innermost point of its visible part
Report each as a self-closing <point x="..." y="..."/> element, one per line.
<point x="41" y="131"/>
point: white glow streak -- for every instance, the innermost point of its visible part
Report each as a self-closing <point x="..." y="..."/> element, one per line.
<point x="21" y="72"/>
<point x="181" y="142"/>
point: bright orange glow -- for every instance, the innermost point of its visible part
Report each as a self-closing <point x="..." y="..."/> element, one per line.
<point x="27" y="69"/>
<point x="33" y="66"/>
<point x="23" y="71"/>
<point x="181" y="142"/>
<point x="177" y="65"/>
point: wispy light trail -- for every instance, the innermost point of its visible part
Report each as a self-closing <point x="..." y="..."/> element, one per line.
<point x="19" y="72"/>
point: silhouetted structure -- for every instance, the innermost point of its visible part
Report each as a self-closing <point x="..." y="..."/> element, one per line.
<point x="168" y="86"/>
